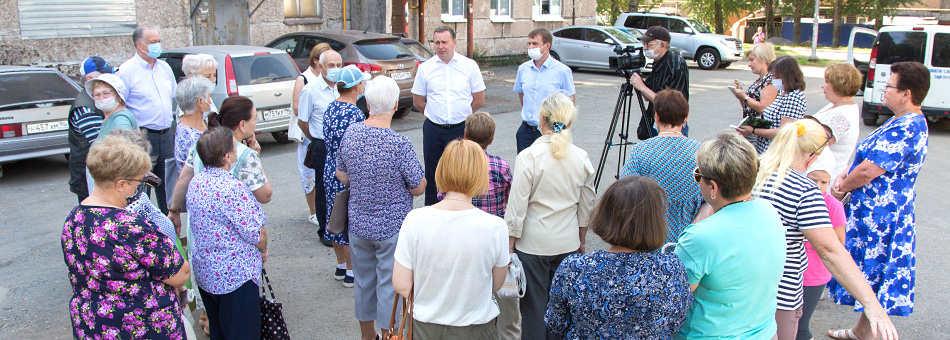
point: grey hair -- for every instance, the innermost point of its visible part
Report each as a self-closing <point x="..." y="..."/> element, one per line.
<point x="191" y="64"/>
<point x="323" y="56"/>
<point x="139" y="33"/>
<point x="189" y="90"/>
<point x="381" y="95"/>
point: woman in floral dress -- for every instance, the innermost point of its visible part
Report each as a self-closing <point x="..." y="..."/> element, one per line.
<point x="880" y="234"/>
<point x="123" y="270"/>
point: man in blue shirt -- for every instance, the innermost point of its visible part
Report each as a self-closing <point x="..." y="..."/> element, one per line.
<point x="84" y="122"/>
<point x="537" y="78"/>
<point x="151" y="85"/>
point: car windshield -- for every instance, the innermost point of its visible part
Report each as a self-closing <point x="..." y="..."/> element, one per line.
<point x="383" y="49"/>
<point x="28" y="88"/>
<point x="418" y="49"/>
<point x="621" y="35"/>
<point x="700" y="27"/>
<point x="263" y="69"/>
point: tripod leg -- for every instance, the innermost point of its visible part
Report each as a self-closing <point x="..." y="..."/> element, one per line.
<point x="608" y="142"/>
<point x="625" y="127"/>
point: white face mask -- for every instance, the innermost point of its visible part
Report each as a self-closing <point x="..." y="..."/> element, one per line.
<point x="650" y="54"/>
<point x="778" y="85"/>
<point x="107" y="105"/>
<point x="204" y="115"/>
<point x="535" y="53"/>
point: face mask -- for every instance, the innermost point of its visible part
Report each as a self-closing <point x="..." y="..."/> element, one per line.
<point x="535" y="53"/>
<point x="204" y="115"/>
<point x="135" y="196"/>
<point x="778" y="85"/>
<point x="154" y="50"/>
<point x="107" y="105"/>
<point x="649" y="54"/>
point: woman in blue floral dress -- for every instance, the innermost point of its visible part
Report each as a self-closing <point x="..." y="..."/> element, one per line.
<point x="123" y="270"/>
<point x="630" y="290"/>
<point x="880" y="231"/>
<point x="350" y="82"/>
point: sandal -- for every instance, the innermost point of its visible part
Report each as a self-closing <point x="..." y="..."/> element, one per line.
<point x="842" y="334"/>
<point x="203" y="322"/>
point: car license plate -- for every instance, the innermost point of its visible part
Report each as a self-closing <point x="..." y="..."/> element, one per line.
<point x="46" y="127"/>
<point x="400" y="75"/>
<point x="277" y="114"/>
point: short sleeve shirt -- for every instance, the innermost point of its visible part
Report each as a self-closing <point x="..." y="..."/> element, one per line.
<point x="788" y="105"/>
<point x="448" y="88"/>
<point x="251" y="172"/>
<point x="538" y="83"/>
<point x="315" y="97"/>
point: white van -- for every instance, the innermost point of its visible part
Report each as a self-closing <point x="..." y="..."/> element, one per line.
<point x="927" y="44"/>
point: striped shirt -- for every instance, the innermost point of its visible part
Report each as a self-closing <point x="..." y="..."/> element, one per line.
<point x="801" y="207"/>
<point x="85" y="121"/>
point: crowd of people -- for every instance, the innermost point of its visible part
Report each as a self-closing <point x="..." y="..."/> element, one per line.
<point x="735" y="237"/>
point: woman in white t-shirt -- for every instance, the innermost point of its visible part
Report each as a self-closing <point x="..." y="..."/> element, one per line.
<point x="452" y="255"/>
<point x="842" y="82"/>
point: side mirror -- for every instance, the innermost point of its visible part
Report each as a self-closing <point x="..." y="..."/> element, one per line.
<point x="688" y="30"/>
<point x="609" y="41"/>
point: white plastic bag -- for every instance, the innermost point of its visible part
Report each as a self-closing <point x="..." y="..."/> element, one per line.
<point x="515" y="280"/>
<point x="294" y="132"/>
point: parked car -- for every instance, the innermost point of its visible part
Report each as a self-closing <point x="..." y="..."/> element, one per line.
<point x="375" y="53"/>
<point x="636" y="34"/>
<point x="422" y="52"/>
<point x="693" y="38"/>
<point x="34" y="105"/>
<point x="590" y="46"/>
<point x="265" y="75"/>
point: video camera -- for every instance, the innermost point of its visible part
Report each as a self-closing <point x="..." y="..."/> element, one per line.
<point x="628" y="58"/>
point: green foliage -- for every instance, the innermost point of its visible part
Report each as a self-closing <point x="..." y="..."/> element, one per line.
<point x="705" y="10"/>
<point x="609" y="10"/>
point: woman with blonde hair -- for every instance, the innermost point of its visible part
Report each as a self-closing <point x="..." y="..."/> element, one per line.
<point x="552" y="193"/>
<point x="782" y="182"/>
<point x="454" y="234"/>
<point x="789" y="105"/>
<point x="761" y="93"/>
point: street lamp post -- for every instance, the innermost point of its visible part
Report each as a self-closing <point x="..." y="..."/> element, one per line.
<point x="814" y="35"/>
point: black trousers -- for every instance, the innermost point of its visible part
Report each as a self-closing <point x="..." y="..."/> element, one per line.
<point x="434" y="139"/>
<point x="163" y="147"/>
<point x="539" y="270"/>
<point x="811" y="296"/>
<point x="235" y="315"/>
<point x="319" y="150"/>
<point x="526" y="136"/>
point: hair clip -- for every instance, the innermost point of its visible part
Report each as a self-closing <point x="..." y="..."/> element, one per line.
<point x="558" y="126"/>
<point x="801" y="129"/>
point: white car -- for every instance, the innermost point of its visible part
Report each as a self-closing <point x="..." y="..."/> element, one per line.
<point x="927" y="44"/>
<point x="591" y="46"/>
<point x="692" y="37"/>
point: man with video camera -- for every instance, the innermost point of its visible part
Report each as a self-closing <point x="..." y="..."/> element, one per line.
<point x="669" y="71"/>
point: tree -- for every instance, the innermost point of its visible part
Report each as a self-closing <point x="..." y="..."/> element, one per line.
<point x="797" y="7"/>
<point x="836" y="33"/>
<point x="633" y="6"/>
<point x="717" y="11"/>
<point x="769" y="18"/>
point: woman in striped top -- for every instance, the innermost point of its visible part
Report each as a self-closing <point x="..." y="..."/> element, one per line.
<point x="801" y="207"/>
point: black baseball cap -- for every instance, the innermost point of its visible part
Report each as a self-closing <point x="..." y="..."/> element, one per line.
<point x="93" y="64"/>
<point x="655" y="33"/>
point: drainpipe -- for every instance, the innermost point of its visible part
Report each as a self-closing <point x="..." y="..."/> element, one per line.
<point x="344" y="14"/>
<point x="471" y="30"/>
<point x="422" y="21"/>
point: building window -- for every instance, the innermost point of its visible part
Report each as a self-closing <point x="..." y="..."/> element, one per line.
<point x="76" y="18"/>
<point x="454" y="10"/>
<point x="546" y="10"/>
<point x="501" y="11"/>
<point x="302" y="9"/>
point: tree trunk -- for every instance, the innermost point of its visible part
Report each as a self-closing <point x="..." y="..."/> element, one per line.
<point x="633" y="6"/>
<point x="769" y="19"/>
<point x="719" y="20"/>
<point x="879" y="15"/>
<point x="836" y="34"/>
<point x="797" y="21"/>
<point x="614" y="9"/>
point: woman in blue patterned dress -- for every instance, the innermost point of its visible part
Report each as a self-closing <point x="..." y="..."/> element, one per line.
<point x="789" y="106"/>
<point x="630" y="290"/>
<point x="880" y="233"/>
<point x="350" y="82"/>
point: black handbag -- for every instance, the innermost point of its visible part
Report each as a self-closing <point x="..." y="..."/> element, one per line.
<point x="339" y="215"/>
<point x="645" y="128"/>
<point x="273" y="326"/>
<point x="308" y="158"/>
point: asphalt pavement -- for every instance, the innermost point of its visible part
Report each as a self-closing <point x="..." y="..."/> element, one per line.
<point x="35" y="199"/>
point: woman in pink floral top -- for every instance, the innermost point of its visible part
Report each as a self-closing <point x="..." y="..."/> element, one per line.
<point x="123" y="270"/>
<point x="230" y="244"/>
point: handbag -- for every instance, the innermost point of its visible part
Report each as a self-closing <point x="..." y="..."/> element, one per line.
<point x="339" y="216"/>
<point x="515" y="280"/>
<point x="308" y="158"/>
<point x="645" y="128"/>
<point x="294" y="132"/>
<point x="397" y="334"/>
<point x="273" y="326"/>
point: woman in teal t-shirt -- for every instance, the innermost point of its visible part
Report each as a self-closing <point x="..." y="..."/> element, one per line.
<point x="109" y="93"/>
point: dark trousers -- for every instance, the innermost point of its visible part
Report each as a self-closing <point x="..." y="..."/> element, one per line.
<point x="811" y="296"/>
<point x="434" y="139"/>
<point x="163" y="147"/>
<point x="319" y="149"/>
<point x="235" y="315"/>
<point x="526" y="136"/>
<point x="539" y="270"/>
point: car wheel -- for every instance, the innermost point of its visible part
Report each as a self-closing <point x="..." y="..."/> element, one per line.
<point x="871" y="121"/>
<point x="281" y="137"/>
<point x="556" y="56"/>
<point x="402" y="112"/>
<point x="724" y="65"/>
<point x="708" y="59"/>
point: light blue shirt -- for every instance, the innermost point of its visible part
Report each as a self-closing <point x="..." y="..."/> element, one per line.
<point x="151" y="91"/>
<point x="537" y="84"/>
<point x="314" y="99"/>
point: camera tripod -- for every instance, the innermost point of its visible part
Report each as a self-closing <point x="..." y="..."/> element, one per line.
<point x="622" y="116"/>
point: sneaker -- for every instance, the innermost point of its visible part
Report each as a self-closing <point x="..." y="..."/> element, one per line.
<point x="313" y="219"/>
<point x="348" y="282"/>
<point x="339" y="274"/>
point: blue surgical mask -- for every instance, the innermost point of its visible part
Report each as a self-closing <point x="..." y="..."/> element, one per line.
<point x="778" y="85"/>
<point x="154" y="50"/>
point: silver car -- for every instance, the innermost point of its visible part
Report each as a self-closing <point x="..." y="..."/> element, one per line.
<point x="34" y="106"/>
<point x="265" y="75"/>
<point x="590" y="46"/>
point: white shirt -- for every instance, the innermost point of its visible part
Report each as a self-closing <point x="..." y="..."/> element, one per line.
<point x="451" y="255"/>
<point x="844" y="122"/>
<point x="151" y="91"/>
<point x="448" y="88"/>
<point x="314" y="99"/>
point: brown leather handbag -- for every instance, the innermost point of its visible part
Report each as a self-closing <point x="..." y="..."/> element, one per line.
<point x="339" y="215"/>
<point x="404" y="332"/>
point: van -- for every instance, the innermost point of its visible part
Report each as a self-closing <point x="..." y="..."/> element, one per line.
<point x="926" y="44"/>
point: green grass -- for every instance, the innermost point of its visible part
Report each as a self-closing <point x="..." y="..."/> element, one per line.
<point x="803" y="58"/>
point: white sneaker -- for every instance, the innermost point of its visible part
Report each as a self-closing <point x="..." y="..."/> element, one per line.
<point x="313" y="219"/>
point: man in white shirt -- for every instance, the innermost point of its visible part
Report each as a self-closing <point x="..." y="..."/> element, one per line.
<point x="151" y="85"/>
<point x="447" y="89"/>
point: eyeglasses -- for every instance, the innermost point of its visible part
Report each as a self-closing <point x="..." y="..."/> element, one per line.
<point x="891" y="87"/>
<point x="822" y="145"/>
<point x="697" y="176"/>
<point x="151" y="182"/>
